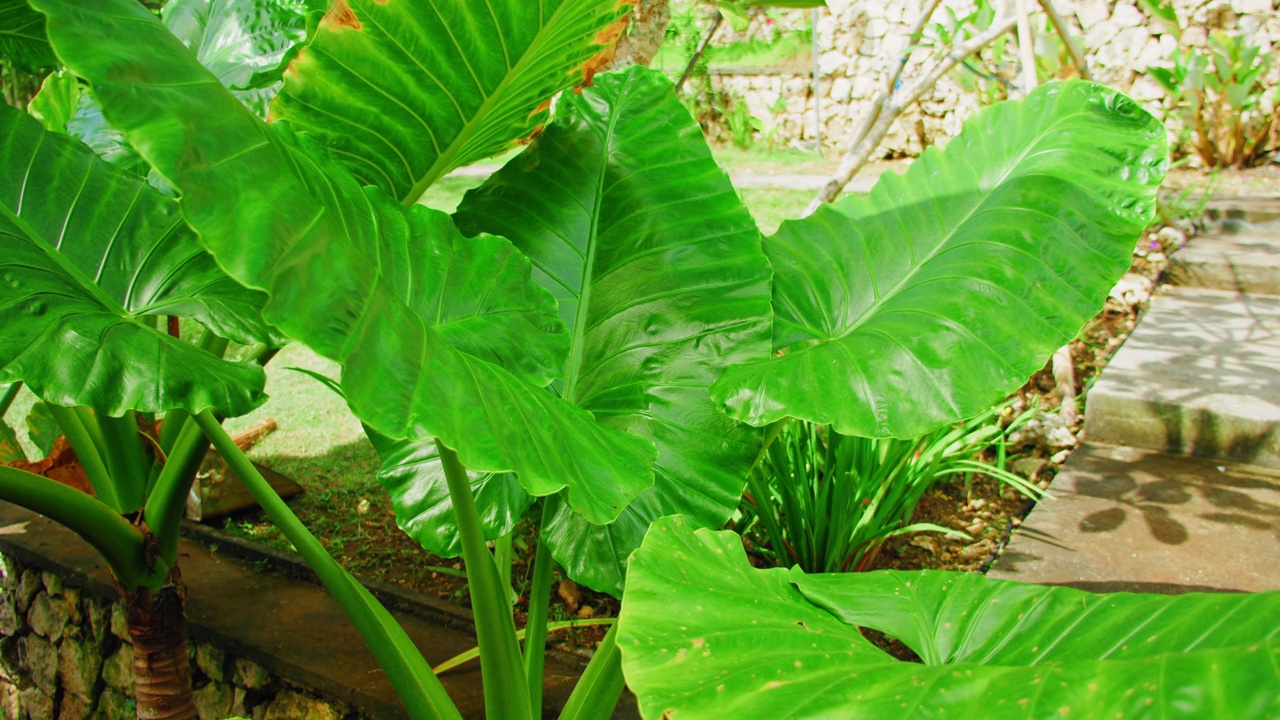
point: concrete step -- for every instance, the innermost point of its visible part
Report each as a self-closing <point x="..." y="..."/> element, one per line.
<point x="1124" y="519"/>
<point x="1200" y="375"/>
<point x="1239" y="213"/>
<point x="1246" y="262"/>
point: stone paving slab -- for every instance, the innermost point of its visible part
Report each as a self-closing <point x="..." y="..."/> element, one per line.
<point x="1246" y="262"/>
<point x="1123" y="519"/>
<point x="1200" y="375"/>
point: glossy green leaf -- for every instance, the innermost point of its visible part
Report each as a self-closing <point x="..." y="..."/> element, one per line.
<point x="657" y="268"/>
<point x="22" y="37"/>
<point x="240" y="40"/>
<point x="57" y="101"/>
<point x="331" y="254"/>
<point x="705" y="635"/>
<point x="965" y="617"/>
<point x="929" y="300"/>
<point x="91" y="257"/>
<point x="406" y="91"/>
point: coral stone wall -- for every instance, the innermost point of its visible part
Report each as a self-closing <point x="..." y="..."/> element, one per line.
<point x="859" y="42"/>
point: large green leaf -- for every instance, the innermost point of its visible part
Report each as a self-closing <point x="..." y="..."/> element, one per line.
<point x="92" y="256"/>
<point x="1018" y="624"/>
<point x="333" y="256"/>
<point x="240" y="41"/>
<point x="944" y="289"/>
<point x="657" y="268"/>
<point x="22" y="38"/>
<point x="405" y="91"/>
<point x="705" y="635"/>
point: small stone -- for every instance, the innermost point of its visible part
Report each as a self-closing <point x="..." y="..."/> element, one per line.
<point x="1029" y="467"/>
<point x="78" y="666"/>
<point x="38" y="704"/>
<point x="74" y="707"/>
<point x="28" y="586"/>
<point x="9" y="624"/>
<point x="212" y="661"/>
<point x="586" y="612"/>
<point x="99" y="614"/>
<point x="10" y="701"/>
<point x="52" y="583"/>
<point x="238" y="698"/>
<point x="71" y="596"/>
<point x="47" y="618"/>
<point x="250" y="675"/>
<point x="10" y="658"/>
<point x="290" y="705"/>
<point x="115" y="705"/>
<point x="570" y="594"/>
<point x="40" y="658"/>
<point x="120" y="622"/>
<point x="10" y="573"/>
<point x="213" y="701"/>
<point x="117" y="670"/>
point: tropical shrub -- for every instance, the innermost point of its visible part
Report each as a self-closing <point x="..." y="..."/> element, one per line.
<point x="827" y="503"/>
<point x="598" y="333"/>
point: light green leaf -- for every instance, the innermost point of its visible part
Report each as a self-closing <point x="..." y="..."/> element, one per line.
<point x="57" y="101"/>
<point x="695" y="609"/>
<point x="657" y="268"/>
<point x="404" y="92"/>
<point x="239" y="39"/>
<point x="331" y="253"/>
<point x="91" y="256"/>
<point x="932" y="298"/>
<point x="42" y="429"/>
<point x="934" y="614"/>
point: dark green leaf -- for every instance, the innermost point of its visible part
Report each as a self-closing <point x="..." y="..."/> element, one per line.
<point x="22" y="38"/>
<point x="657" y="268"/>
<point x="705" y="635"/>
<point x="405" y="92"/>
<point x="91" y="256"/>
<point x="932" y="298"/>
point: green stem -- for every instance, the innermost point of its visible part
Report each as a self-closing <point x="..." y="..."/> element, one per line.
<point x="502" y="558"/>
<point x="505" y="695"/>
<point x="420" y="691"/>
<point x="168" y="501"/>
<point x="87" y="454"/>
<point x="473" y="653"/>
<point x="597" y="692"/>
<point x="174" y="422"/>
<point x="121" y="544"/>
<point x="10" y="394"/>
<point x="535" y="645"/>
<point x="127" y="463"/>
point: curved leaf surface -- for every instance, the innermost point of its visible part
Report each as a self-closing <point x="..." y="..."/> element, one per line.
<point x="406" y="91"/>
<point x="91" y="256"/>
<point x="22" y="37"/>
<point x="239" y="41"/>
<point x="944" y="289"/>
<point x="705" y="635"/>
<point x="327" y="251"/>
<point x="658" y="270"/>
<point x="965" y="617"/>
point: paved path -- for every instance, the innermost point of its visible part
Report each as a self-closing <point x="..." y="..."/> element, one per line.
<point x="1177" y="485"/>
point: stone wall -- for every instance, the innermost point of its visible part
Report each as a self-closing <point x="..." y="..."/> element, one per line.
<point x="66" y="654"/>
<point x="860" y="41"/>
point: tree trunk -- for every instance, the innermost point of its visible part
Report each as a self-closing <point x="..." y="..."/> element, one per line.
<point x="647" y="31"/>
<point x="162" y="672"/>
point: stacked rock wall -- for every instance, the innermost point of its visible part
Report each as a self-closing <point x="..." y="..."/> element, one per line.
<point x="860" y="42"/>
<point x="66" y="654"/>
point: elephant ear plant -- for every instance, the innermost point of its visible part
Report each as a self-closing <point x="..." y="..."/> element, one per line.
<point x="566" y="341"/>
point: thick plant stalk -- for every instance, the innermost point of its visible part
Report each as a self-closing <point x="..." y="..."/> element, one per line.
<point x="506" y="696"/>
<point x="860" y="151"/>
<point x="162" y="671"/>
<point x="410" y="674"/>
<point x="597" y="692"/>
<point x="1060" y="26"/>
<point x="535" y="644"/>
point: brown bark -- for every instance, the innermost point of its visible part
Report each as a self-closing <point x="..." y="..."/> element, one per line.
<point x="162" y="672"/>
<point x="649" y="19"/>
